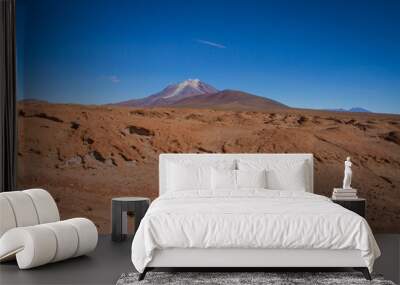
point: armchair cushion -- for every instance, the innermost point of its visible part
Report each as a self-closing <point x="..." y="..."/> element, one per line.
<point x="7" y="220"/>
<point x="40" y="244"/>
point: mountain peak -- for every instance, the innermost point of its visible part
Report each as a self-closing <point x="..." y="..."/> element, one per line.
<point x="173" y="93"/>
<point x="184" y="89"/>
<point x="351" y="110"/>
<point x="194" y="84"/>
<point x="192" y="81"/>
<point x="194" y="93"/>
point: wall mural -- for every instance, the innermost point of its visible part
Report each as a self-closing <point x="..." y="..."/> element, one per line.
<point x="99" y="101"/>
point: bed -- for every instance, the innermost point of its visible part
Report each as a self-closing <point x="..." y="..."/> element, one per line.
<point x="247" y="210"/>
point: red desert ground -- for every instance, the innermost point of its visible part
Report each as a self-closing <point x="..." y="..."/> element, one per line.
<point x="85" y="155"/>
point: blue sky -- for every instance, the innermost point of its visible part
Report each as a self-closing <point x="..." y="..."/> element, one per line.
<point x="312" y="54"/>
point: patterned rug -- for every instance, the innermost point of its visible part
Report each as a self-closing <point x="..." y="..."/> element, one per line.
<point x="243" y="278"/>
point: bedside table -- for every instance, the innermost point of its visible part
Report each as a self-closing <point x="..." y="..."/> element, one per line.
<point x="356" y="205"/>
<point x="119" y="209"/>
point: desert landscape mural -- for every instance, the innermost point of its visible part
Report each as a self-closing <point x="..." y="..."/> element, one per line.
<point x="102" y="92"/>
<point x="86" y="154"/>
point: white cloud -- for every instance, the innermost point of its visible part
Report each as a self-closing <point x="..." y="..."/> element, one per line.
<point x="113" y="78"/>
<point x="204" y="42"/>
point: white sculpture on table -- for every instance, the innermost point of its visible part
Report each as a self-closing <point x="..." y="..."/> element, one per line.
<point x="347" y="174"/>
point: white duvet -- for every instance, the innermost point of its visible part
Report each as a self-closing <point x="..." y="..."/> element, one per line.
<point x="250" y="219"/>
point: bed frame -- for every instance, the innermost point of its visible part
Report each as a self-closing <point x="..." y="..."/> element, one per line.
<point x="242" y="259"/>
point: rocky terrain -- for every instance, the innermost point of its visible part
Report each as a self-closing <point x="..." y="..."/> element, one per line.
<point x="85" y="155"/>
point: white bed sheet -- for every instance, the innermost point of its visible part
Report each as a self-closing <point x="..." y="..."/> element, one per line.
<point x="251" y="218"/>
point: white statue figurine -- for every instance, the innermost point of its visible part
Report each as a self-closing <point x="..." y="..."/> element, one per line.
<point x="347" y="174"/>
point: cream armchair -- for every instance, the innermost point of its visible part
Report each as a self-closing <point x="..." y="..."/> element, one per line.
<point x="31" y="230"/>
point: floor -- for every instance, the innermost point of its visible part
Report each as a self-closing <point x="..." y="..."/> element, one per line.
<point x="110" y="260"/>
<point x="103" y="266"/>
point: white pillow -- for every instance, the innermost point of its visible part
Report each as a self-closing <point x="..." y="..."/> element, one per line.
<point x="185" y="177"/>
<point x="251" y="178"/>
<point x="223" y="179"/>
<point x="289" y="175"/>
<point x="183" y="174"/>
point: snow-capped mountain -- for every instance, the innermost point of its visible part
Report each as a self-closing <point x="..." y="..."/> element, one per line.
<point x="352" y="110"/>
<point x="173" y="93"/>
<point x="187" y="88"/>
<point x="193" y="93"/>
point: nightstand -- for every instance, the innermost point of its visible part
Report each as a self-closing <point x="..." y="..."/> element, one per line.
<point x="119" y="209"/>
<point x="356" y="205"/>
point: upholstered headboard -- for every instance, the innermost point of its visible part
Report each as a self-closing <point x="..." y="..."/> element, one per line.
<point x="212" y="158"/>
